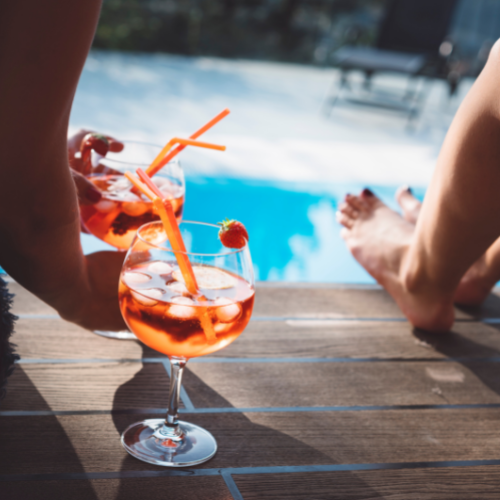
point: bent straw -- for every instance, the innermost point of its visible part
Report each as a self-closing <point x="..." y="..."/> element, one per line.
<point x="197" y="134"/>
<point x="167" y="216"/>
<point x="169" y="221"/>
<point x="162" y="160"/>
<point x="140" y="186"/>
<point x="149" y="183"/>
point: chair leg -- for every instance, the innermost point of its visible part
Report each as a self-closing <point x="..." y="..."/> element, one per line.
<point x="416" y="107"/>
<point x="330" y="99"/>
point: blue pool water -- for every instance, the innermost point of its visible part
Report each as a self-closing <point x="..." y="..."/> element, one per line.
<point x="292" y="227"/>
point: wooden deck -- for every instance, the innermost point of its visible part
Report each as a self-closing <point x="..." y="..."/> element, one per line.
<point x="328" y="394"/>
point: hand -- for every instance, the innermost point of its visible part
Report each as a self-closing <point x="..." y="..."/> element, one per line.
<point x="98" y="309"/>
<point x="88" y="194"/>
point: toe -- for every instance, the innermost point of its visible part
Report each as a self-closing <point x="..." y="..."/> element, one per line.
<point x="404" y="196"/>
<point x="349" y="210"/>
<point x="356" y="202"/>
<point x="344" y="219"/>
<point x="408" y="203"/>
<point x="370" y="200"/>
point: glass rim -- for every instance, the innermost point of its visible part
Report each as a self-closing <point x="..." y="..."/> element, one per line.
<point x="196" y="254"/>
<point x="140" y="143"/>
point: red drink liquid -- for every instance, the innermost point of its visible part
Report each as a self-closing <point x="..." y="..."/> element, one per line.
<point x="160" y="311"/>
<point x="116" y="218"/>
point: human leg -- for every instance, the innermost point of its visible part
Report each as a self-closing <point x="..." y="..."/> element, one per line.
<point x="422" y="267"/>
<point x="480" y="278"/>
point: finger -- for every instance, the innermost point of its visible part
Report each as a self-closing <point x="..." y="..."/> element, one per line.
<point x="74" y="142"/>
<point x="87" y="193"/>
<point x="115" y="146"/>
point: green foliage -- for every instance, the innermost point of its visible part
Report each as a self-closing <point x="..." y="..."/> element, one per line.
<point x="288" y="30"/>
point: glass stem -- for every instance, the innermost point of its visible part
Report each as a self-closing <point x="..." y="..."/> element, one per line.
<point x="171" y="429"/>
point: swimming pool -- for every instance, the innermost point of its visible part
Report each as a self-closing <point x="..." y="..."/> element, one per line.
<point x="293" y="232"/>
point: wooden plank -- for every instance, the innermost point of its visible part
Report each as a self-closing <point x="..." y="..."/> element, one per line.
<point x="178" y="488"/>
<point x="106" y="386"/>
<point x="246" y="385"/>
<point x="361" y="339"/>
<point x="91" y="442"/>
<point x="87" y="387"/>
<point x="312" y="300"/>
<point x="56" y="339"/>
<point x="323" y="302"/>
<point x="456" y="483"/>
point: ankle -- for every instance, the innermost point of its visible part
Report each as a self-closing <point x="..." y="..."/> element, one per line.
<point x="429" y="306"/>
<point x="418" y="281"/>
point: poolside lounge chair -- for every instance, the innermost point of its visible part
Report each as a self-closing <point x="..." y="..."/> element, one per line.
<point x="411" y="41"/>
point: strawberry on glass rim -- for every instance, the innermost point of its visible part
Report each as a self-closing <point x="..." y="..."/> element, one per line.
<point x="233" y="234"/>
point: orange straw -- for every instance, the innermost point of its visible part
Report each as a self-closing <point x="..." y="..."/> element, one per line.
<point x="166" y="212"/>
<point x="160" y="161"/>
<point x="167" y="216"/>
<point x="149" y="183"/>
<point x="140" y="186"/>
<point x="179" y="148"/>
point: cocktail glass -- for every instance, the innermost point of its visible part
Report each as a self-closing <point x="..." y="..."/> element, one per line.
<point x="121" y="211"/>
<point x="158" y="308"/>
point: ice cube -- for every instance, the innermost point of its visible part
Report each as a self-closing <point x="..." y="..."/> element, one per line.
<point x="135" y="209"/>
<point x="159" y="267"/>
<point x="221" y="328"/>
<point x="158" y="181"/>
<point x="149" y="297"/>
<point x="182" y="308"/>
<point x="210" y="278"/>
<point x="171" y="190"/>
<point x="105" y="206"/>
<point x="226" y="310"/>
<point x="121" y="183"/>
<point x="132" y="278"/>
<point x="177" y="288"/>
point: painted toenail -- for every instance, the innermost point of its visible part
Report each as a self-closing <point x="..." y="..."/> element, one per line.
<point x="366" y="192"/>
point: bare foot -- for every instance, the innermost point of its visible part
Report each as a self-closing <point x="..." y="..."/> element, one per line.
<point x="379" y="239"/>
<point x="408" y="203"/>
<point x="478" y="281"/>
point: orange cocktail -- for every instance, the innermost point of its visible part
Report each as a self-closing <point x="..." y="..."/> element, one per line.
<point x="123" y="209"/>
<point x="162" y="313"/>
<point x="116" y="218"/>
<point x="185" y="295"/>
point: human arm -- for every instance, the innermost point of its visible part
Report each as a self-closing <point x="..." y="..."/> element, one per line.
<point x="43" y="46"/>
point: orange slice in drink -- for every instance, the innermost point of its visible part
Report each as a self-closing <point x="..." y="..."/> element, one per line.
<point x="209" y="278"/>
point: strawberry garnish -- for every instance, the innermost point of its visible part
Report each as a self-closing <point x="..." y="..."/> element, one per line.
<point x="97" y="142"/>
<point x="233" y="234"/>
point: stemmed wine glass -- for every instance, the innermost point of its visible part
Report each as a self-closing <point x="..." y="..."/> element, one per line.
<point x="121" y="211"/>
<point x="158" y="308"/>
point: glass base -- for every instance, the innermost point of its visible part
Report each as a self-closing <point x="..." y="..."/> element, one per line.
<point x="195" y="447"/>
<point x="122" y="335"/>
